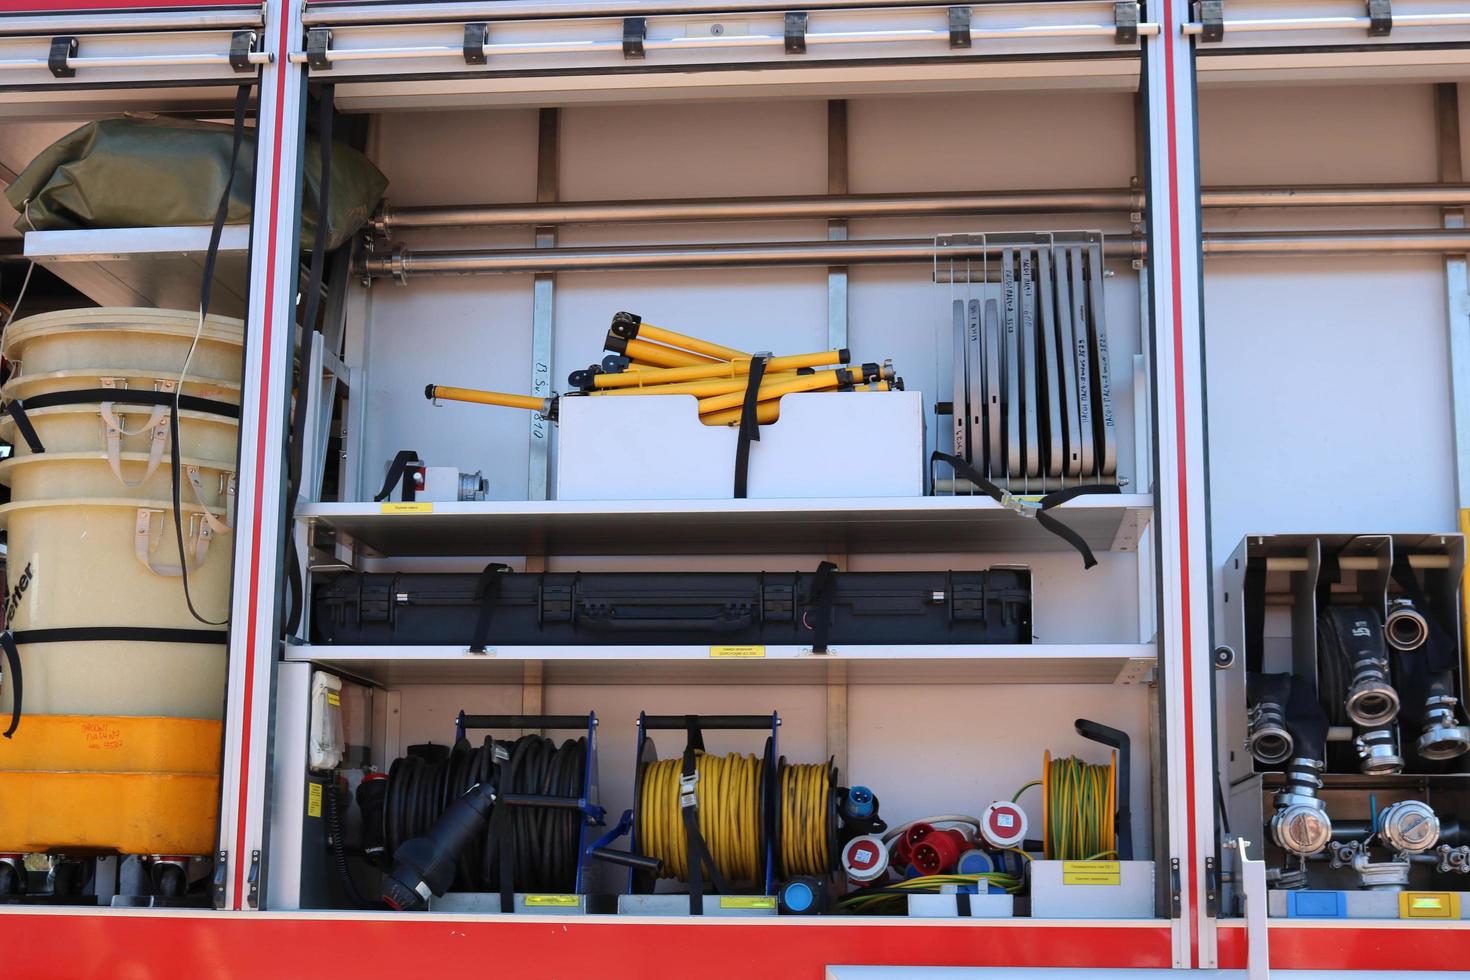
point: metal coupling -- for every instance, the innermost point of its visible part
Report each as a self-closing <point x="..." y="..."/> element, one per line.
<point x="1381" y="876"/>
<point x="1371" y="699"/>
<point x="473" y="486"/>
<point x="1300" y="824"/>
<point x="1379" y="750"/>
<point x="1409" y="827"/>
<point x="1443" y="737"/>
<point x="1267" y="738"/>
<point x="1405" y="628"/>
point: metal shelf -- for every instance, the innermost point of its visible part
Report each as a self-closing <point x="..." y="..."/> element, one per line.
<point x="1120" y="663"/>
<point x="152" y="267"/>
<point x="844" y="525"/>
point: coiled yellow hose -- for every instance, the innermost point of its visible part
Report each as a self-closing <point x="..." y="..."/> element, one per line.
<point x="1078" y="806"/>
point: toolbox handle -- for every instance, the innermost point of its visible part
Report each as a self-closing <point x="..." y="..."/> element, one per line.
<point x="719" y="623"/>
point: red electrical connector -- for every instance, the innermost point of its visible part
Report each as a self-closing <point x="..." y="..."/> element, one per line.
<point x="930" y="850"/>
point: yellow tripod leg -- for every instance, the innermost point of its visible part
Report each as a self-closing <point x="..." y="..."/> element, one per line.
<point x="478" y="397"/>
<point x="809" y="382"/>
<point x="649" y="332"/>
<point x="657" y="355"/>
<point x="765" y="414"/>
<point x="702" y="389"/>
<point x="733" y="369"/>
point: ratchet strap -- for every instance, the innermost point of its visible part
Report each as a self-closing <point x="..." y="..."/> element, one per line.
<point x="326" y="100"/>
<point x="402" y="460"/>
<point x="487" y="594"/>
<point x="700" y="858"/>
<point x="12" y="671"/>
<point x="750" y="428"/>
<point x="824" y="588"/>
<point x="1028" y="508"/>
<point x="19" y="408"/>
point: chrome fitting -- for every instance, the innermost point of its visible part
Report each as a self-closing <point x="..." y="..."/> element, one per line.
<point x="1372" y="700"/>
<point x="1267" y="737"/>
<point x="1443" y="737"/>
<point x="1379" y="750"/>
<point x="1409" y="827"/>
<point x="1300" y="824"/>
<point x="1405" y="628"/>
<point x="1382" y="876"/>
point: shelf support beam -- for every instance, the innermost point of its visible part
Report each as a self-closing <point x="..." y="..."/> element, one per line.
<point x="548" y="189"/>
<point x="837" y="227"/>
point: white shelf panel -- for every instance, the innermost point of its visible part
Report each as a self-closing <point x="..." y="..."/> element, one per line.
<point x="151" y="267"/>
<point x="850" y="525"/>
<point x="959" y="664"/>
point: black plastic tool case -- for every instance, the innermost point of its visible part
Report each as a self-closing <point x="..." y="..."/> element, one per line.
<point x="622" y="608"/>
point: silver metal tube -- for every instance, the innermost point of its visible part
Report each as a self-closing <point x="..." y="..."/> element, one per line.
<point x="850" y="206"/>
<point x="1454" y="19"/>
<point x="477" y="10"/>
<point x="403" y="263"/>
<point x="140" y="61"/>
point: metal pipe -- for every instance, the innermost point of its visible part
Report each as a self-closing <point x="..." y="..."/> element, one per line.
<point x="850" y="206"/>
<point x="335" y="15"/>
<point x="139" y="61"/>
<point x="402" y="263"/>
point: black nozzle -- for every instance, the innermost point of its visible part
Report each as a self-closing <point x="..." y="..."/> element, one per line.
<point x="427" y="864"/>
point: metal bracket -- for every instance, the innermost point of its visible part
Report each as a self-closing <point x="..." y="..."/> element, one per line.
<point x="1019" y="504"/>
<point x="1380" y="18"/>
<point x="253" y="896"/>
<point x="1176" y="903"/>
<point x="796" y="33"/>
<point x="475" y="37"/>
<point x="635" y="32"/>
<point x="61" y="49"/>
<point x="318" y="41"/>
<point x="1212" y="888"/>
<point x="959" y="27"/>
<point x="1212" y="16"/>
<point x="1125" y="17"/>
<point x="221" y="867"/>
<point x="241" y="44"/>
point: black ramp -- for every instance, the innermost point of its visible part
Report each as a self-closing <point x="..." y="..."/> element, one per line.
<point x="1067" y="366"/>
<point x="1051" y="401"/>
<point x="1084" y="365"/>
<point x="1010" y="397"/>
<point x="961" y="412"/>
<point x="1102" y="386"/>
<point x="1030" y="377"/>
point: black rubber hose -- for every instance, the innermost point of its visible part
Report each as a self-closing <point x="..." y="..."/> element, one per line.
<point x="338" y="845"/>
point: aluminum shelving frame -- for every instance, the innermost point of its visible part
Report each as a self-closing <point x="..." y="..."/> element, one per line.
<point x="143" y="35"/>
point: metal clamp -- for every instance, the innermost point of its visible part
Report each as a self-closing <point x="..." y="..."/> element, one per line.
<point x="1212" y="17"/>
<point x="1019" y="504"/>
<point x="1380" y="18"/>
<point x="1125" y="19"/>
<point x="241" y="44"/>
<point x="398" y="265"/>
<point x="796" y="33"/>
<point x="687" y="797"/>
<point x="62" y="48"/>
<point x="959" y="27"/>
<point x="635" y="32"/>
<point x="475" y="37"/>
<point x="318" y="41"/>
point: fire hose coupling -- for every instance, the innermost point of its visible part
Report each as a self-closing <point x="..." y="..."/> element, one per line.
<point x="1405" y="628"/>
<point x="1300" y="824"/>
<point x="1442" y="737"/>
<point x="1379" y="750"/>
<point x="1267" y="738"/>
<point x="1409" y="827"/>
<point x="1372" y="700"/>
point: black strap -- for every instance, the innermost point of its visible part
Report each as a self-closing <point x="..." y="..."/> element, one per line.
<point x="487" y="594"/>
<point x="19" y="408"/>
<point x="401" y="461"/>
<point x="12" y="667"/>
<point x="962" y="904"/>
<point x="824" y="589"/>
<point x="1053" y="499"/>
<point x="242" y="99"/>
<point x="326" y="99"/>
<point x="1254" y="598"/>
<point x="700" y="859"/>
<point x="118" y="634"/>
<point x="750" y="429"/>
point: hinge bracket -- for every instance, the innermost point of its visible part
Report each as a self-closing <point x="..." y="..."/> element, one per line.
<point x="1212" y="16"/>
<point x="475" y="38"/>
<point x="959" y="27"/>
<point x="62" y="48"/>
<point x="1176" y="901"/>
<point x="1212" y="888"/>
<point x="253" y="895"/>
<point x="318" y="41"/>
<point x="1380" y="18"/>
<point x="241" y="44"/>
<point x="796" y="33"/>
<point x="1125" y="19"/>
<point x="635" y="32"/>
<point x="219" y="884"/>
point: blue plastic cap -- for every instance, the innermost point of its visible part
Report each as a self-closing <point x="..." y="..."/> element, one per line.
<point x="798" y="896"/>
<point x="859" y="803"/>
<point x="974" y="863"/>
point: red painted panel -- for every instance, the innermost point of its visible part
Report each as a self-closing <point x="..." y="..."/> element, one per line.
<point x="226" y="945"/>
<point x="107" y="6"/>
<point x="1387" y="946"/>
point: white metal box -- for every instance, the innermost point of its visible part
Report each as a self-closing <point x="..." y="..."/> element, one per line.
<point x="1092" y="889"/>
<point x="825" y="444"/>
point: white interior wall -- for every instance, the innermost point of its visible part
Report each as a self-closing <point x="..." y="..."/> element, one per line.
<point x="923" y="748"/>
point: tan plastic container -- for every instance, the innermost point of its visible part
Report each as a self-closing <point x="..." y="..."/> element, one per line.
<point x="125" y="339"/>
<point x="65" y="476"/>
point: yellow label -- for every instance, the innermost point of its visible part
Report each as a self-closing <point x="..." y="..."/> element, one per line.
<point x="1092" y="873"/>
<point x="409" y="507"/>
<point x="738" y="653"/>
<point x="747" y="902"/>
<point x="334" y="699"/>
<point x="1429" y="905"/>
<point x="553" y="901"/>
<point x="314" y="799"/>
